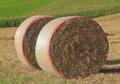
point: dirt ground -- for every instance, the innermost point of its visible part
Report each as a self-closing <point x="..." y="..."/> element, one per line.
<point x="110" y="24"/>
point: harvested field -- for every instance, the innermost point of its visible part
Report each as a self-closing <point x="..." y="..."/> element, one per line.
<point x="12" y="70"/>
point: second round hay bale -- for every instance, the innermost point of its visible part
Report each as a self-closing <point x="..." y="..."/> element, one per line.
<point x="71" y="47"/>
<point x="26" y="36"/>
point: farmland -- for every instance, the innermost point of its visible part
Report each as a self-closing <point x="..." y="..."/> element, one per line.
<point x="13" y="12"/>
<point x="13" y="72"/>
<point x="25" y="8"/>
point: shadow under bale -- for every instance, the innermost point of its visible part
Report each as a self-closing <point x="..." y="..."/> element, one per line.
<point x="110" y="70"/>
<point x="112" y="66"/>
<point x="113" y="62"/>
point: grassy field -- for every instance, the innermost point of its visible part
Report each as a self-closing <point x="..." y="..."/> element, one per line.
<point x="13" y="72"/>
<point x="13" y="12"/>
<point x="26" y="8"/>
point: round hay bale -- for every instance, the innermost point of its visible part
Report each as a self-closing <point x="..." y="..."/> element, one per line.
<point x="25" y="39"/>
<point x="71" y="47"/>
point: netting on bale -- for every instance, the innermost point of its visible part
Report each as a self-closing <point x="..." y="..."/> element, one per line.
<point x="25" y="39"/>
<point x="71" y="47"/>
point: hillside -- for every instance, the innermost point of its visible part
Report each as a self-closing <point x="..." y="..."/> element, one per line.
<point x="26" y="8"/>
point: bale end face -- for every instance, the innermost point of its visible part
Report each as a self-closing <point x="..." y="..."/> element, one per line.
<point x="72" y="47"/>
<point x="25" y="39"/>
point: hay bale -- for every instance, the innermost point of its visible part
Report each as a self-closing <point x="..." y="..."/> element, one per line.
<point x="71" y="47"/>
<point x="26" y="36"/>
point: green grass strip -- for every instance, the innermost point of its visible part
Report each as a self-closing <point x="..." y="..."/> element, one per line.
<point x="95" y="12"/>
<point x="89" y="13"/>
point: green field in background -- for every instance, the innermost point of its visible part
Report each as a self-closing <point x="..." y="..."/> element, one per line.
<point x="26" y="8"/>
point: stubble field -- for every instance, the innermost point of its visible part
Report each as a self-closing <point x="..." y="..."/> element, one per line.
<point x="13" y="72"/>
